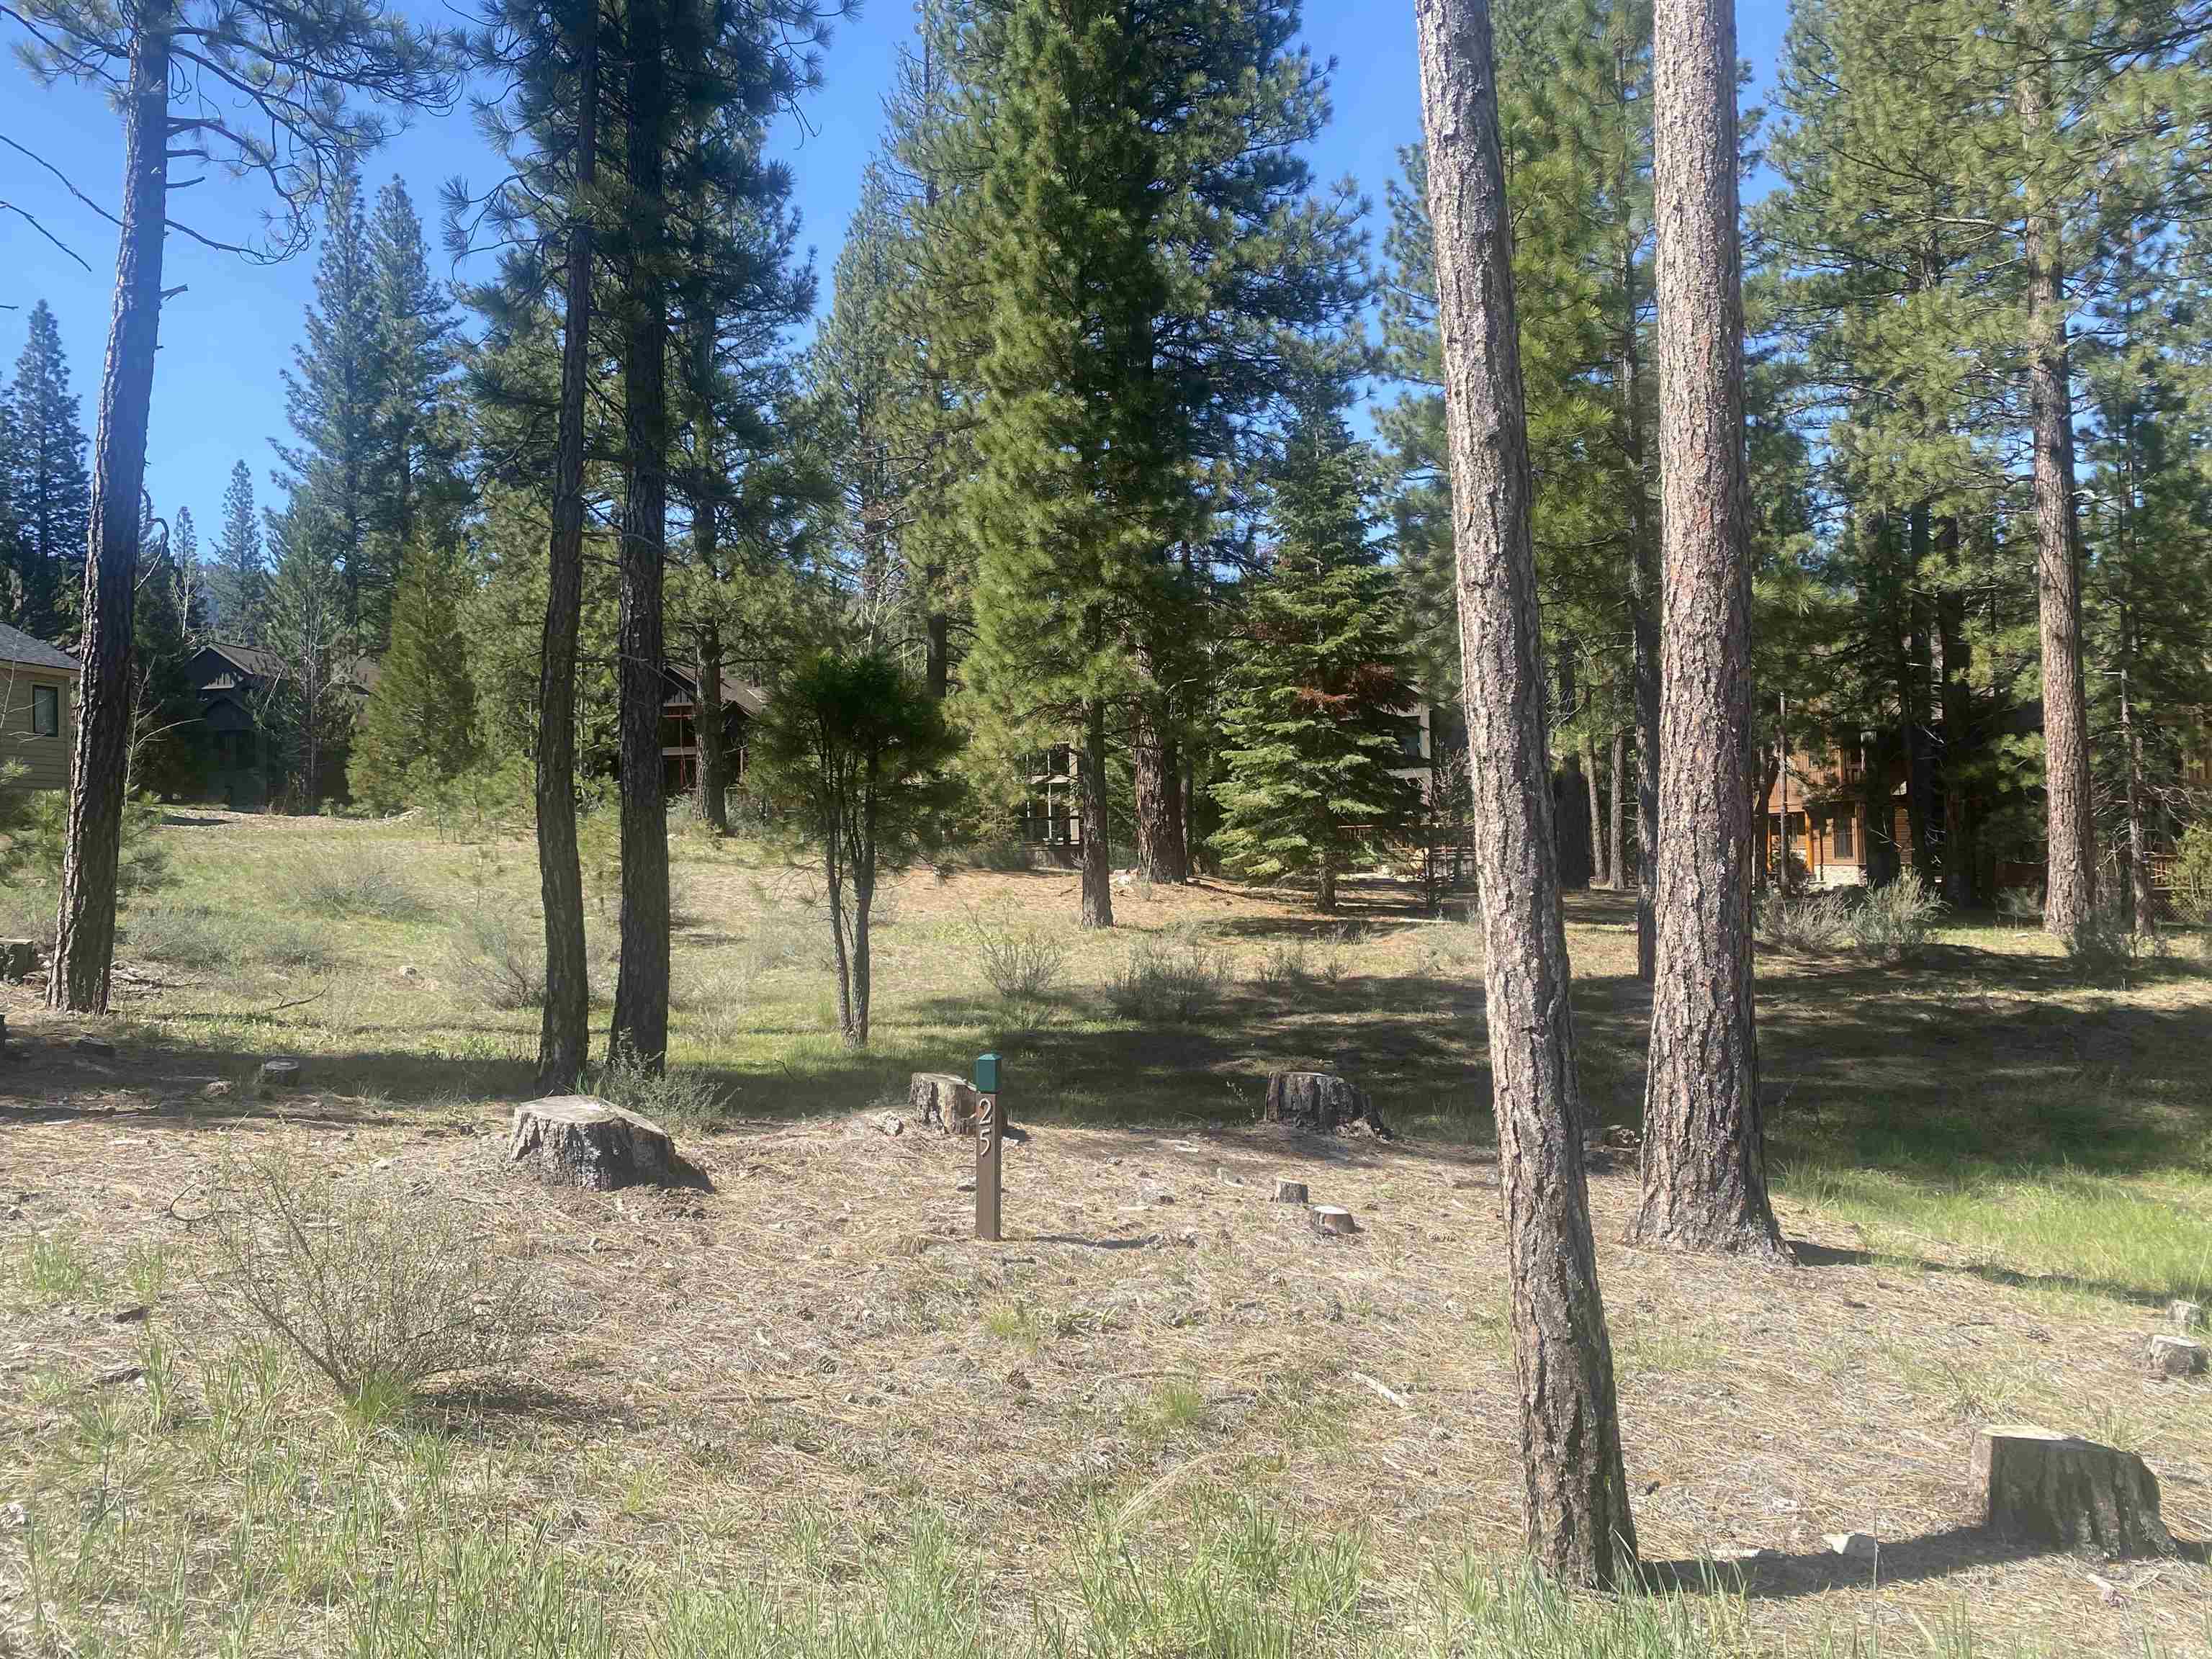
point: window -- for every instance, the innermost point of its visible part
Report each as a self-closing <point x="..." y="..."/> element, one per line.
<point x="1844" y="836"/>
<point x="46" y="711"/>
<point x="1409" y="738"/>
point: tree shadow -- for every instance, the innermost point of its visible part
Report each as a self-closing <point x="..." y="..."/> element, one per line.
<point x="1810" y="1255"/>
<point x="1774" y="1576"/>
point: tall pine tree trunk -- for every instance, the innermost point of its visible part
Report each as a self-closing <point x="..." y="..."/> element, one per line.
<point x="707" y="719"/>
<point x="1578" y="1520"/>
<point x="1961" y="854"/>
<point x="1918" y="674"/>
<point x="2143" y="899"/>
<point x="1098" y="866"/>
<point x="564" y="1033"/>
<point x="1643" y="615"/>
<point x="84" y="931"/>
<point x="641" y="1014"/>
<point x="1600" y="868"/>
<point x="1160" y="848"/>
<point x="1704" y="1155"/>
<point x="2070" y="832"/>
<point x="1617" y="809"/>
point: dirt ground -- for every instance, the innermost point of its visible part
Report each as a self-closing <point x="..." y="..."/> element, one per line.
<point x="819" y="1336"/>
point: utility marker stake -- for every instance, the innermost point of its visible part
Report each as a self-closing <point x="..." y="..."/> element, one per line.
<point x="990" y="1147"/>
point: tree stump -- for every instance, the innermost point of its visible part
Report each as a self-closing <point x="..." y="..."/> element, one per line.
<point x="19" y="958"/>
<point x="1290" y="1192"/>
<point x="2176" y="1356"/>
<point x="1323" y="1101"/>
<point x="574" y="1140"/>
<point x="942" y="1099"/>
<point x="2052" y="1489"/>
<point x="1334" y="1219"/>
<point x="278" y="1074"/>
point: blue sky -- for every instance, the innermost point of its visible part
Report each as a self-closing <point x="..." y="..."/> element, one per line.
<point x="218" y="396"/>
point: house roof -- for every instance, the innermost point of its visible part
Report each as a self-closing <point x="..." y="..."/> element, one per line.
<point x="736" y="694"/>
<point x="252" y="660"/>
<point x="17" y="647"/>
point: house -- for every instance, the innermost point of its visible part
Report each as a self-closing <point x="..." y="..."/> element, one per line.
<point x="679" y="731"/>
<point x="1816" y="817"/>
<point x="38" y="715"/>
<point x="231" y="680"/>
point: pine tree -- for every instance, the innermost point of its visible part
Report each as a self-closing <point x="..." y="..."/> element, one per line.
<point x="240" y="577"/>
<point x="305" y="711"/>
<point x="51" y="496"/>
<point x="265" y="87"/>
<point x="1310" y="717"/>
<point x="335" y="397"/>
<point x="418" y="725"/>
<point x="414" y="481"/>
<point x="165" y="756"/>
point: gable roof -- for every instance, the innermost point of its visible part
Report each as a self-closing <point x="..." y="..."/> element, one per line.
<point x="17" y="647"/>
<point x="257" y="664"/>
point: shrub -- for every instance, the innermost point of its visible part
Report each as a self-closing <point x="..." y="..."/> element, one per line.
<point x="2106" y="949"/>
<point x="1005" y="853"/>
<point x="1810" y="924"/>
<point x="666" y="1095"/>
<point x="1892" y="922"/>
<point x="292" y="944"/>
<point x="2021" y="906"/>
<point x="2192" y="876"/>
<point x="497" y="956"/>
<point x="1284" y="965"/>
<point x="377" y="1287"/>
<point x="1022" y="961"/>
<point x="179" y="936"/>
<point x="354" y="880"/>
<point x="484" y="803"/>
<point x="1169" y="981"/>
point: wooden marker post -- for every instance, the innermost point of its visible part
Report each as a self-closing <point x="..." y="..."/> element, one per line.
<point x="990" y="1142"/>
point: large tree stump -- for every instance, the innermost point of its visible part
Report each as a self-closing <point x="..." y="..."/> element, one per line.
<point x="940" y="1098"/>
<point x="1323" y="1101"/>
<point x="574" y="1140"/>
<point x="2052" y="1489"/>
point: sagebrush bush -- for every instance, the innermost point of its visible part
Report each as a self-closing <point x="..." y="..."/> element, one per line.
<point x="179" y="936"/>
<point x="497" y="956"/>
<point x="1022" y="961"/>
<point x="1004" y="853"/>
<point x="2107" y="949"/>
<point x="1169" y="981"/>
<point x="380" y="1286"/>
<point x="354" y="880"/>
<point x="1892" y="922"/>
<point x="2021" y="906"/>
<point x="1811" y="924"/>
<point x="666" y="1095"/>
<point x="1284" y="965"/>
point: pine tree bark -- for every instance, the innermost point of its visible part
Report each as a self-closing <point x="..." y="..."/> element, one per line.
<point x="1617" y="804"/>
<point x="1161" y="855"/>
<point x="1097" y="865"/>
<point x="1578" y="1524"/>
<point x="564" y="1032"/>
<point x="707" y="719"/>
<point x="1917" y="674"/>
<point x="1704" y="1161"/>
<point x="640" y="1027"/>
<point x="2070" y="832"/>
<point x="1961" y="854"/>
<point x="1601" y="870"/>
<point x="1643" y="615"/>
<point x="2143" y="899"/>
<point x="84" y="930"/>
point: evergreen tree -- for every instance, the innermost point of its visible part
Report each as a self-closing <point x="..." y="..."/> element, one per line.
<point x="238" y="581"/>
<point x="265" y="88"/>
<point x="335" y="397"/>
<point x="305" y="711"/>
<point x="418" y="725"/>
<point x="51" y="496"/>
<point x="164" y="754"/>
<point x="1311" y="716"/>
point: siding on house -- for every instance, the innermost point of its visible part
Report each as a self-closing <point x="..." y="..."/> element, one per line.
<point x="32" y="673"/>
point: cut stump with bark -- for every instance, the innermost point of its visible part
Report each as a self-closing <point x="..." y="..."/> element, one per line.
<point x="1322" y="1102"/>
<point x="949" y="1102"/>
<point x="278" y="1074"/>
<point x="1290" y="1192"/>
<point x="19" y="958"/>
<point x="576" y="1141"/>
<point x="2052" y="1489"/>
<point x="1334" y="1219"/>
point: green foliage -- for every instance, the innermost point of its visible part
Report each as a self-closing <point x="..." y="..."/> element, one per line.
<point x="1312" y="713"/>
<point x="239" y="573"/>
<point x="43" y="483"/>
<point x="1892" y="922"/>
<point x="2192" y="876"/>
<point x="418" y="726"/>
<point x="1024" y="961"/>
<point x="852" y="752"/>
<point x="36" y="825"/>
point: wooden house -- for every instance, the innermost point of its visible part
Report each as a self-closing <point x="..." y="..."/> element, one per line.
<point x="230" y="679"/>
<point x="38" y="714"/>
<point x="680" y="728"/>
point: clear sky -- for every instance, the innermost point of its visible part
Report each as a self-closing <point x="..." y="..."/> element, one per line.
<point x="218" y="396"/>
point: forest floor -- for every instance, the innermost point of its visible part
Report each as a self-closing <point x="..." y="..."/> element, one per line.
<point x="804" y="1412"/>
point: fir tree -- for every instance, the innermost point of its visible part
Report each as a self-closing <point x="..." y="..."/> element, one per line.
<point x="51" y="496"/>
<point x="1312" y="714"/>
<point x="305" y="711"/>
<point x="335" y="399"/>
<point x="165" y="756"/>
<point x="418" y="725"/>
<point x="240" y="577"/>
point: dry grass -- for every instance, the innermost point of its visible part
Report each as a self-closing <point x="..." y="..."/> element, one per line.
<point x="813" y="1381"/>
